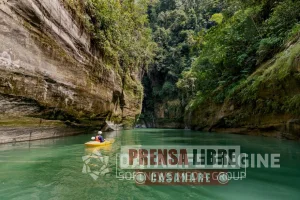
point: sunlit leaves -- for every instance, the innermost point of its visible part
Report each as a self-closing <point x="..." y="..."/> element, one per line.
<point x="247" y="33"/>
<point x="218" y="18"/>
<point x="120" y="31"/>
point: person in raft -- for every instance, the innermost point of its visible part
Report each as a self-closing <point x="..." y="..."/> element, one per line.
<point x="99" y="137"/>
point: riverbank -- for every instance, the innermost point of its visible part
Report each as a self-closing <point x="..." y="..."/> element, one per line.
<point x="281" y="128"/>
<point x="29" y="129"/>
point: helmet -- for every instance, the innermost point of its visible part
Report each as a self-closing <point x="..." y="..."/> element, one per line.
<point x="93" y="138"/>
<point x="99" y="132"/>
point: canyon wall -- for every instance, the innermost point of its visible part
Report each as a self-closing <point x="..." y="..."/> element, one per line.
<point x="50" y="70"/>
<point x="266" y="103"/>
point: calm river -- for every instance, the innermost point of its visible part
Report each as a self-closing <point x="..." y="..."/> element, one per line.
<point x="53" y="169"/>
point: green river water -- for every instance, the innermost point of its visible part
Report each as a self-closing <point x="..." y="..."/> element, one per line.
<point x="52" y="169"/>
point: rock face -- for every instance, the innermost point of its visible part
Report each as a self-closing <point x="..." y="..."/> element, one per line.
<point x="166" y="114"/>
<point x="19" y="134"/>
<point x="267" y="103"/>
<point x="49" y="69"/>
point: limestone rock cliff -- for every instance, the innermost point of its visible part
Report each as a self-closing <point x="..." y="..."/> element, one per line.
<point x="49" y="70"/>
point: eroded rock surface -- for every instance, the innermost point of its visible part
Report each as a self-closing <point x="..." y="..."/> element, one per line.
<point x="46" y="58"/>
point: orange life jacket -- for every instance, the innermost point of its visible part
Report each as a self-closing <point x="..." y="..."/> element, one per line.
<point x="97" y="139"/>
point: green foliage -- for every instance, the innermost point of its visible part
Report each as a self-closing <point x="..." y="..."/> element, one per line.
<point x="293" y="104"/>
<point x="178" y="28"/>
<point x="283" y="18"/>
<point x="249" y="33"/>
<point x="196" y="101"/>
<point x="273" y="78"/>
<point x="267" y="47"/>
<point x="218" y="17"/>
<point x="295" y="32"/>
<point x="119" y="30"/>
<point x="228" y="51"/>
<point x="168" y="88"/>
